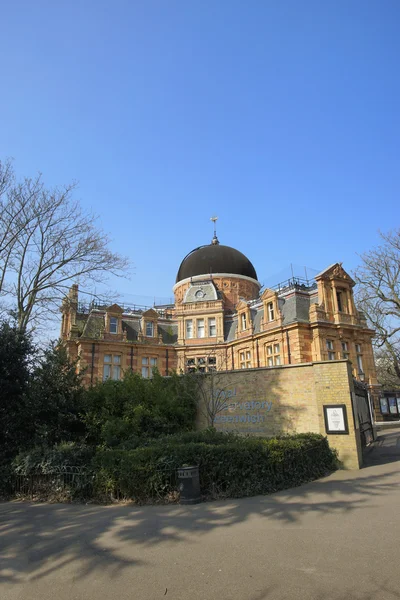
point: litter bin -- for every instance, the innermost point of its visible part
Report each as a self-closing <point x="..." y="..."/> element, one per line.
<point x="189" y="485"/>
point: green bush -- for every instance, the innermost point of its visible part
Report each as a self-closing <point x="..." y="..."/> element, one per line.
<point x="230" y="465"/>
<point x="125" y="413"/>
<point x="45" y="460"/>
<point x="234" y="468"/>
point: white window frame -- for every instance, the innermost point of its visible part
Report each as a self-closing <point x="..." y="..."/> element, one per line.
<point x="112" y="366"/>
<point x="200" y="328"/>
<point x="245" y="359"/>
<point x="189" y="329"/>
<point x="212" y="327"/>
<point x="149" y="363"/>
<point x="113" y="326"/>
<point x="150" y="325"/>
<point x="243" y="321"/>
<point x="271" y="311"/>
<point x="359" y="357"/>
<point x="273" y="352"/>
<point x="330" y="348"/>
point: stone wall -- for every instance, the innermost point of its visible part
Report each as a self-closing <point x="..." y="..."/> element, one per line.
<point x="286" y="399"/>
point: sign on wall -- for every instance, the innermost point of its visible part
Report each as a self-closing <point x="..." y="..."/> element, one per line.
<point x="335" y="416"/>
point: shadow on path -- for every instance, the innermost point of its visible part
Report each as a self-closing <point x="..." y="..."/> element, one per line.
<point x="386" y="449"/>
<point x="39" y="539"/>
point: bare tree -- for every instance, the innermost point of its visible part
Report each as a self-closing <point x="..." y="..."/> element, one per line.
<point x="385" y="368"/>
<point x="379" y="297"/>
<point x="46" y="242"/>
<point x="211" y="387"/>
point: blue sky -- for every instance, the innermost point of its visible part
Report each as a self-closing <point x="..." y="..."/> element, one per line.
<point x="280" y="117"/>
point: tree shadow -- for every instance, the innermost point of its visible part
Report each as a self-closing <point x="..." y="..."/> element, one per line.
<point x="37" y="540"/>
<point x="385" y="450"/>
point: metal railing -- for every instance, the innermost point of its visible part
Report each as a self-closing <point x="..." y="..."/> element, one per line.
<point x="64" y="483"/>
<point x="298" y="283"/>
<point x="76" y="483"/>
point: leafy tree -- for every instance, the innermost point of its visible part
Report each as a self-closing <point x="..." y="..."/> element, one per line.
<point x="124" y="412"/>
<point x="16" y="351"/>
<point x="56" y="398"/>
<point x="378" y="279"/>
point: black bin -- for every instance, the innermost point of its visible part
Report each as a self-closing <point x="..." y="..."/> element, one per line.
<point x="189" y="485"/>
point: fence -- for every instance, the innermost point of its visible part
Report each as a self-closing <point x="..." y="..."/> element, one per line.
<point x="149" y="484"/>
<point x="63" y="484"/>
<point x="76" y="483"/>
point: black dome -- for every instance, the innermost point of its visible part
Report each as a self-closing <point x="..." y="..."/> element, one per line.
<point x="215" y="258"/>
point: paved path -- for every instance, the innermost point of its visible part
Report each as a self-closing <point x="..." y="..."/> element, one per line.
<point x="337" y="538"/>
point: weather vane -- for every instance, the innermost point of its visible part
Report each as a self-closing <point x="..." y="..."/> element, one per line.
<point x="215" y="239"/>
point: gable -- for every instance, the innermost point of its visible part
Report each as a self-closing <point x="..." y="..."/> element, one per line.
<point x="336" y="272"/>
<point x="114" y="308"/>
<point x="150" y="314"/>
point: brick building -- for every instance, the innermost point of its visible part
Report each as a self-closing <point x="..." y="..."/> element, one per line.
<point x="221" y="319"/>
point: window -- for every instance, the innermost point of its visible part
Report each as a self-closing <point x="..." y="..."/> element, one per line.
<point x="345" y="350"/>
<point x="212" y="329"/>
<point x="245" y="359"/>
<point x="243" y="320"/>
<point x="148" y="365"/>
<point x="339" y="297"/>
<point x="149" y="329"/>
<point x="113" y="325"/>
<point x="359" y="359"/>
<point x="329" y="347"/>
<point x="201" y="364"/>
<point x="273" y="355"/>
<point x="189" y="329"/>
<point x="112" y="367"/>
<point x="271" y="314"/>
<point x="200" y="328"/>
<point x="191" y="365"/>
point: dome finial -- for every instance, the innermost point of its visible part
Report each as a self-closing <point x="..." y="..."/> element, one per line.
<point x="215" y="239"/>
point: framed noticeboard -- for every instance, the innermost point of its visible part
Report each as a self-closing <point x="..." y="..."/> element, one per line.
<point x="384" y="406"/>
<point x="335" y="416"/>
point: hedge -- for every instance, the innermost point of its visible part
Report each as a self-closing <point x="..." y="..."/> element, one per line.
<point x="233" y="468"/>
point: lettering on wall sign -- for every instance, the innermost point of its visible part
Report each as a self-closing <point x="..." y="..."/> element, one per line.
<point x="247" y="413"/>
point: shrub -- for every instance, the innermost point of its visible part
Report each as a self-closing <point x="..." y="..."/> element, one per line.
<point x="231" y="468"/>
<point x="45" y="460"/>
<point x="122" y="413"/>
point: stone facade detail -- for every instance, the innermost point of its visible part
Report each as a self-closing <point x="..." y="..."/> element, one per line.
<point x="223" y="322"/>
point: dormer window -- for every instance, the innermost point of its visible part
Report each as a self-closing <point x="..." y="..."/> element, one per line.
<point x="341" y="297"/>
<point x="113" y="325"/>
<point x="270" y="310"/>
<point x="243" y="320"/>
<point x="149" y="329"/>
